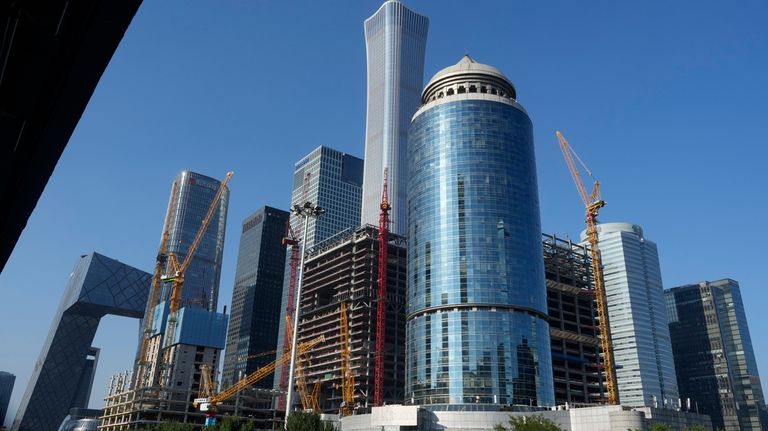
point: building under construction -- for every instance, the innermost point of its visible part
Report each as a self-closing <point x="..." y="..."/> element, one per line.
<point x="573" y="329"/>
<point x="129" y="408"/>
<point x="344" y="269"/>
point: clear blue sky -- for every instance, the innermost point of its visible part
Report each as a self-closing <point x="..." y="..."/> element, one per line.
<point x="666" y="101"/>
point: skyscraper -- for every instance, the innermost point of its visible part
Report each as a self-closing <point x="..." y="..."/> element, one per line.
<point x="97" y="286"/>
<point x="255" y="316"/>
<point x="714" y="359"/>
<point x="635" y="297"/>
<point x="395" y="40"/>
<point x="334" y="182"/>
<point x="186" y="210"/>
<point x="477" y="328"/>
<point x="6" y="389"/>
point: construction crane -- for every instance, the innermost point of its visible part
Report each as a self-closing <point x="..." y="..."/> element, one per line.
<point x="309" y="400"/>
<point x="381" y="306"/>
<point x="291" y="239"/>
<point x="592" y="203"/>
<point x="145" y="363"/>
<point x="179" y="270"/>
<point x="208" y="401"/>
<point x="347" y="378"/>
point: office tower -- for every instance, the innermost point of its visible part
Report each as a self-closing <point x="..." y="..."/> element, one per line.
<point x="395" y="40"/>
<point x="190" y="199"/>
<point x="714" y="359"/>
<point x="255" y="315"/>
<point x="6" y="389"/>
<point x="477" y="328"/>
<point x="334" y="182"/>
<point x="186" y="210"/>
<point x="573" y="329"/>
<point x="645" y="369"/>
<point x="350" y="260"/>
<point x="84" y="387"/>
<point x="98" y="286"/>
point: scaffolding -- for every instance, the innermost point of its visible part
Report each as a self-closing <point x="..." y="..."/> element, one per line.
<point x="345" y="269"/>
<point x="574" y="329"/>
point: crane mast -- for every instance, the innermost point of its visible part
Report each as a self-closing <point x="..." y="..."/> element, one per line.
<point x="592" y="203"/>
<point x="381" y="306"/>
<point x="347" y="378"/>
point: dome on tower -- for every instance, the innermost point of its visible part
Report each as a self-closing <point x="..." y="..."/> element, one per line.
<point x="468" y="76"/>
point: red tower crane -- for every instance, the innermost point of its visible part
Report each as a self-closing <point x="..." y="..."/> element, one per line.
<point x="381" y="306"/>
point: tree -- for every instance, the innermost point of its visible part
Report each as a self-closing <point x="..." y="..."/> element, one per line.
<point x="696" y="428"/>
<point x="660" y="427"/>
<point x="301" y="421"/>
<point x="170" y="426"/>
<point x="529" y="423"/>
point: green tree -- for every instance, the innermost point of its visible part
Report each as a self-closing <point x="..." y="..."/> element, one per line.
<point x="529" y="423"/>
<point x="170" y="426"/>
<point x="301" y="421"/>
<point x="660" y="427"/>
<point x="696" y="428"/>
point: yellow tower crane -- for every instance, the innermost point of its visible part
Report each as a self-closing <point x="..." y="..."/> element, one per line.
<point x="347" y="378"/>
<point x="592" y="203"/>
<point x="208" y="400"/>
<point x="310" y="401"/>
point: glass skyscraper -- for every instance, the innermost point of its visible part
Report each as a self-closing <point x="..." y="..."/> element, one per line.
<point x="334" y="182"/>
<point x="255" y="316"/>
<point x="715" y="362"/>
<point x="6" y="388"/>
<point x="395" y="40"/>
<point x="477" y="330"/>
<point x="63" y="375"/>
<point x="186" y="210"/>
<point x="645" y="369"/>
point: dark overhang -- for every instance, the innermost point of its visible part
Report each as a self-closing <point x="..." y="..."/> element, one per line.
<point x="52" y="55"/>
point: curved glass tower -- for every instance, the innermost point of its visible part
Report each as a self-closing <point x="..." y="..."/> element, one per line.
<point x="477" y="328"/>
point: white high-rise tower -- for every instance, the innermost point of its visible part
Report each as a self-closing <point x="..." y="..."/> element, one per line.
<point x="395" y="40"/>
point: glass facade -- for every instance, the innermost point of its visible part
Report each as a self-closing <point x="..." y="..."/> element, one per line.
<point x="185" y="214"/>
<point x="477" y="328"/>
<point x="645" y="368"/>
<point x="714" y="358"/>
<point x="255" y="316"/>
<point x="6" y="388"/>
<point x="395" y="41"/>
<point x="334" y="182"/>
<point x="97" y="286"/>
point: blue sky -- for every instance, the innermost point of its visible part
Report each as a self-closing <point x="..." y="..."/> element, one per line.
<point x="664" y="100"/>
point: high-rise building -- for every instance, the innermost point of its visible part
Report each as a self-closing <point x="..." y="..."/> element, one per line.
<point x="714" y="359"/>
<point x="6" y="389"/>
<point x="85" y="385"/>
<point x="186" y="210"/>
<point x="332" y="180"/>
<point x="62" y="376"/>
<point x="477" y="328"/>
<point x="573" y="326"/>
<point x="343" y="269"/>
<point x="255" y="316"/>
<point x="190" y="199"/>
<point x="645" y="369"/>
<point x="395" y="40"/>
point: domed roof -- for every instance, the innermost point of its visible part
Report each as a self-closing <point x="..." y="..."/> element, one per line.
<point x="468" y="67"/>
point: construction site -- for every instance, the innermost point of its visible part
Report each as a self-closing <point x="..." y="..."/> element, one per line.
<point x="574" y="335"/>
<point x="342" y="273"/>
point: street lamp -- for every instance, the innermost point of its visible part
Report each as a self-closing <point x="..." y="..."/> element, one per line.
<point x="306" y="211"/>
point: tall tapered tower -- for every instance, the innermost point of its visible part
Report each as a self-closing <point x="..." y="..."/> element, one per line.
<point x="395" y="39"/>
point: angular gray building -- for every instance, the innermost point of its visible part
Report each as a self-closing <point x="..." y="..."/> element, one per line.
<point x="6" y="389"/>
<point x="98" y="286"/>
<point x="477" y="323"/>
<point x="715" y="362"/>
<point x="395" y="41"/>
<point x="255" y="316"/>
<point x="645" y="369"/>
<point x="334" y="182"/>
